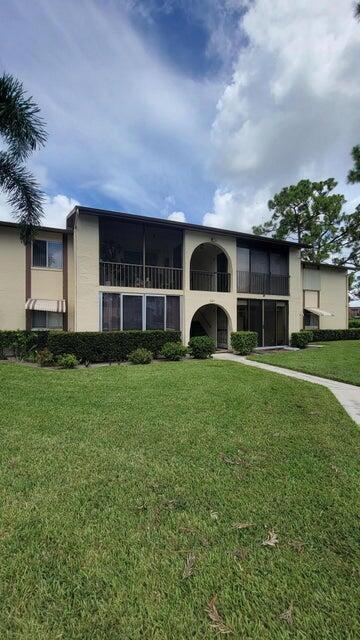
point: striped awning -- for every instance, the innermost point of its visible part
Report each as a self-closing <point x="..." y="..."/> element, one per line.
<point x="319" y="312"/>
<point x="36" y="304"/>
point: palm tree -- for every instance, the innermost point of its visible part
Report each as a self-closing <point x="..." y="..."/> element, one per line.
<point x="357" y="10"/>
<point x="23" y="131"/>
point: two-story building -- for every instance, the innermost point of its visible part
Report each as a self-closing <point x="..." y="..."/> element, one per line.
<point x="109" y="271"/>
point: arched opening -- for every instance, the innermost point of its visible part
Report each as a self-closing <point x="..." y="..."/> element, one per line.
<point x="211" y="320"/>
<point x="209" y="269"/>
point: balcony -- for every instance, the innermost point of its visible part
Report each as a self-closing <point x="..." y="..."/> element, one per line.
<point x="209" y="281"/>
<point x="264" y="283"/>
<point x="119" y="274"/>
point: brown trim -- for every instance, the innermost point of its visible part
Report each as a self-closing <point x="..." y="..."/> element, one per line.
<point x="28" y="252"/>
<point x="65" y="280"/>
<point x="15" y="225"/>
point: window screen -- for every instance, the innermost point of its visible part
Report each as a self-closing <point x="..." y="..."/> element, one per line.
<point x="39" y="253"/>
<point x="155" y="308"/>
<point x="111" y="312"/>
<point x="173" y="312"/>
<point x="132" y="312"/>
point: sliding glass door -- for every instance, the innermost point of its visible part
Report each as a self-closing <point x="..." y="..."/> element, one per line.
<point x="268" y="318"/>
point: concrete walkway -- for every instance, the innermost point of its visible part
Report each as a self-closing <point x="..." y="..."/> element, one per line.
<point x="347" y="394"/>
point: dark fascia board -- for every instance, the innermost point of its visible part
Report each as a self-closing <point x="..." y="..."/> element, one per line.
<point x="15" y="225"/>
<point x="171" y="223"/>
<point x="337" y="267"/>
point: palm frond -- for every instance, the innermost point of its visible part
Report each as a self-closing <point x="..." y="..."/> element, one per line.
<point x="20" y="123"/>
<point x="23" y="194"/>
<point x="357" y="10"/>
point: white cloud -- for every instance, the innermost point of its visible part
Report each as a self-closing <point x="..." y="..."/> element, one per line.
<point x="56" y="208"/>
<point x="235" y="210"/>
<point x="177" y="216"/>
<point x="292" y="109"/>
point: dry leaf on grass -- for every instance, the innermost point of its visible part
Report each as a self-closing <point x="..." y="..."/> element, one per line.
<point x="240" y="554"/>
<point x="242" y="525"/>
<point x="287" y="615"/>
<point x="214" y="515"/>
<point x="189" y="565"/>
<point x="272" y="539"/>
<point x="218" y="623"/>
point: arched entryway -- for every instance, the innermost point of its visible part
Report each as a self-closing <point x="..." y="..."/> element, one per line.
<point x="211" y="320"/>
<point x="209" y="268"/>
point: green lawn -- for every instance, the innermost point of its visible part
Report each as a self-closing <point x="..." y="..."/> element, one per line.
<point x="336" y="360"/>
<point x="111" y="477"/>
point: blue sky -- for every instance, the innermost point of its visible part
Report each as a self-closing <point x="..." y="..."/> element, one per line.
<point x="198" y="111"/>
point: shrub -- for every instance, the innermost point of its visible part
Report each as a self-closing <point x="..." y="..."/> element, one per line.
<point x="140" y="356"/>
<point x="201" y="347"/>
<point x="354" y="323"/>
<point x="173" y="351"/>
<point x="112" y="346"/>
<point x="301" y="339"/>
<point x="20" y="343"/>
<point x="67" y="361"/>
<point x="325" y="335"/>
<point x="45" y="358"/>
<point x="244" y="342"/>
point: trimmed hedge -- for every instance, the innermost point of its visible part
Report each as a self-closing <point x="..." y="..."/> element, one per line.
<point x="201" y="347"/>
<point x="112" y="346"/>
<point x="244" y="342"/>
<point x="354" y="323"/>
<point x="325" y="335"/>
<point x="301" y="339"/>
<point x="18" y="343"/>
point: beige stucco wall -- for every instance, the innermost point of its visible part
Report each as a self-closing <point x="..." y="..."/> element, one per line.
<point x="334" y="298"/>
<point x="296" y="294"/>
<point x="12" y="280"/>
<point x="71" y="283"/>
<point x="47" y="283"/>
<point x="86" y="268"/>
<point x="194" y="300"/>
<point x="332" y="286"/>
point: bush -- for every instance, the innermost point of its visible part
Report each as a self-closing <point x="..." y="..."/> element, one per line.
<point x="140" y="356"/>
<point x="244" y="342"/>
<point x="20" y="343"/>
<point x="67" y="361"/>
<point x="173" y="351"/>
<point x="45" y="358"/>
<point x="112" y="346"/>
<point x="201" y="347"/>
<point x="325" y="335"/>
<point x="354" y="323"/>
<point x="301" y="339"/>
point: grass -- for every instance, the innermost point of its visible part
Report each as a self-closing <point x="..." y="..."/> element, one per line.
<point x="115" y="481"/>
<point x="338" y="360"/>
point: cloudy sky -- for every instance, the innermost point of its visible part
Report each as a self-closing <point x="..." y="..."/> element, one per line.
<point x="195" y="110"/>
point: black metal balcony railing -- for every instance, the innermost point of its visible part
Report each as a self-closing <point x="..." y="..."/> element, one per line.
<point x="265" y="283"/>
<point x="116" y="274"/>
<point x="209" y="281"/>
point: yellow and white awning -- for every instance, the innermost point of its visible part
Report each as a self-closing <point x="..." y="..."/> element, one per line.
<point x="319" y="312"/>
<point x="36" y="304"/>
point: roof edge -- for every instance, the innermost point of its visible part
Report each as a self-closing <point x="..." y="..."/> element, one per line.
<point x="182" y="225"/>
<point x="16" y="225"/>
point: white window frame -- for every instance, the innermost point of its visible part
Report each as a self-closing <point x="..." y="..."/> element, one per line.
<point x="47" y="254"/>
<point x="143" y="308"/>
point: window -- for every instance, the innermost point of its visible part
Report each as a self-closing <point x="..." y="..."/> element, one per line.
<point x="242" y="315"/>
<point x="155" y="309"/>
<point x="47" y="254"/>
<point x="173" y="312"/>
<point x="111" y="320"/>
<point x="132" y="312"/>
<point x="311" y="321"/>
<point x="125" y="311"/>
<point x="46" y="320"/>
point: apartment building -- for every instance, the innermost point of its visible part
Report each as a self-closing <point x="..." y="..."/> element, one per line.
<point x="108" y="271"/>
